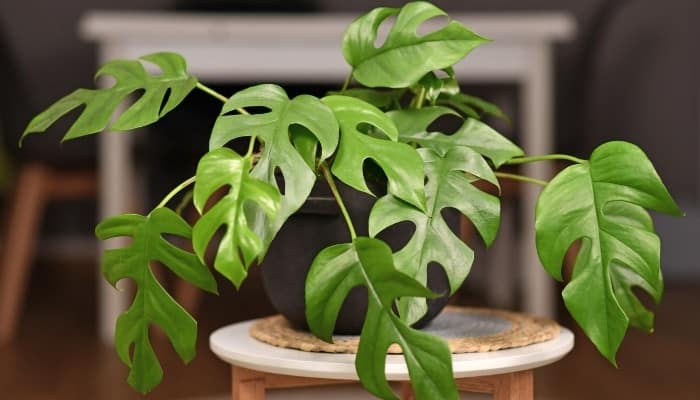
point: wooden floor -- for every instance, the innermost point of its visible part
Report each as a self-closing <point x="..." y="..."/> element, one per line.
<point x="57" y="355"/>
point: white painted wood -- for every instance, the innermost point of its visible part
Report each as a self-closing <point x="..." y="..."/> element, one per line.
<point x="306" y="48"/>
<point x="234" y="345"/>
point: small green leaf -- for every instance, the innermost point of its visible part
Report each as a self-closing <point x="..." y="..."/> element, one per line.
<point x="152" y="304"/>
<point x="130" y="76"/>
<point x="602" y="202"/>
<point x="274" y="129"/>
<point x="404" y="57"/>
<point x="435" y="86"/>
<point x="413" y="127"/>
<point x="368" y="262"/>
<point x="400" y="162"/>
<point x="433" y="240"/>
<point x="461" y="100"/>
<point x="239" y="246"/>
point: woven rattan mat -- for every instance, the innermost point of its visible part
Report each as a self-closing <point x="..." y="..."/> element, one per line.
<point x="467" y="330"/>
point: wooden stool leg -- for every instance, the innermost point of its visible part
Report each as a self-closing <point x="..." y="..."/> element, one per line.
<point x="21" y="231"/>
<point x="247" y="384"/>
<point x="515" y="386"/>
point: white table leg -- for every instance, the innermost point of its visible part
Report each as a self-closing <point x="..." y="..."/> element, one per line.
<point x="537" y="139"/>
<point x="116" y="189"/>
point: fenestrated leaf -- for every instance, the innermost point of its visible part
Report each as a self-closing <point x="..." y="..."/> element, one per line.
<point x="152" y="304"/>
<point x="368" y="262"/>
<point x="433" y="240"/>
<point x="404" y="57"/>
<point x="240" y="246"/>
<point x="400" y="162"/>
<point x="130" y="76"/>
<point x="413" y="127"/>
<point x="602" y="202"/>
<point x="273" y="129"/>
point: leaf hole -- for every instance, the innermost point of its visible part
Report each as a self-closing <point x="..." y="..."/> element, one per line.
<point x="352" y="312"/>
<point x="570" y="260"/>
<point x="398" y="235"/>
<point x="375" y="177"/>
<point x="279" y="180"/>
<point x="253" y="110"/>
<point x="446" y="123"/>
<point x="461" y="226"/>
<point x="371" y="130"/>
<point x="644" y="297"/>
<point x="164" y="102"/>
<point x="441" y="74"/>
<point x="383" y="31"/>
<point x="432" y="24"/>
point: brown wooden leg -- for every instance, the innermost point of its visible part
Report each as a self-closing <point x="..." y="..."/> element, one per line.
<point x="515" y="386"/>
<point x="407" y="391"/>
<point x="21" y="231"/>
<point x="247" y="384"/>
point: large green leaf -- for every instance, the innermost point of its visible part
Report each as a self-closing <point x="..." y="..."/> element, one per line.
<point x="152" y="304"/>
<point x="413" y="127"/>
<point x="405" y="57"/>
<point x="130" y="76"/>
<point x="603" y="203"/>
<point x="400" y="162"/>
<point x="368" y="262"/>
<point x="240" y="246"/>
<point x="279" y="153"/>
<point x="433" y="240"/>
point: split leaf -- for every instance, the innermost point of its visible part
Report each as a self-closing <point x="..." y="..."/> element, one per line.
<point x="152" y="304"/>
<point x="368" y="262"/>
<point x="173" y="83"/>
<point x="240" y="246"/>
<point x="404" y="57"/>
<point x="433" y="241"/>
<point x="602" y="202"/>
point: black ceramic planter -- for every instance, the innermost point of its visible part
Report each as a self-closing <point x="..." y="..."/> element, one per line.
<point x="317" y="225"/>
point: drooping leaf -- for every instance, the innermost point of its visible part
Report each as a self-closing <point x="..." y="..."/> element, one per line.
<point x="433" y="240"/>
<point x="404" y="57"/>
<point x="602" y="202"/>
<point x="463" y="101"/>
<point x="130" y="76"/>
<point x="273" y="129"/>
<point x="368" y="262"/>
<point x="240" y="246"/>
<point x="400" y="162"/>
<point x="152" y="304"/>
<point x="413" y="127"/>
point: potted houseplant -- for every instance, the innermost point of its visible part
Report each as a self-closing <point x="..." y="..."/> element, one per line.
<point x="400" y="88"/>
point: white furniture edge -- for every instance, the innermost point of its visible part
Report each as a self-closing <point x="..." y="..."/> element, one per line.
<point x="234" y="345"/>
<point x="245" y="48"/>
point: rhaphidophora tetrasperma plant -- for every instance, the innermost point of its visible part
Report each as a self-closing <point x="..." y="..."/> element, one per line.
<point x="402" y="87"/>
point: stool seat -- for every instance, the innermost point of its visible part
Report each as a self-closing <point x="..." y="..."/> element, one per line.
<point x="257" y="362"/>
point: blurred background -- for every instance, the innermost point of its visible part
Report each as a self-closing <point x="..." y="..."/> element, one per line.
<point x="631" y="72"/>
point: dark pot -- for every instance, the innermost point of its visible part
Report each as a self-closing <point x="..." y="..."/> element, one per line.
<point x="317" y="225"/>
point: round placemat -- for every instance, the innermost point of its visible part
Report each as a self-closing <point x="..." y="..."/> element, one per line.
<point x="466" y="329"/>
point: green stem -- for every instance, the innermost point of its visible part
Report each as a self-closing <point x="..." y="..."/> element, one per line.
<point x="175" y="191"/>
<point x="347" y="82"/>
<point x="331" y="184"/>
<point x="521" y="178"/>
<point x="211" y="92"/>
<point x="421" y="98"/>
<point x="525" y="160"/>
<point x="251" y="146"/>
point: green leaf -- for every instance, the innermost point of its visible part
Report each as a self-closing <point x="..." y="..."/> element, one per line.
<point x="462" y="101"/>
<point x="274" y="128"/>
<point x="413" y="127"/>
<point x="131" y="76"/>
<point x="404" y="57"/>
<point x="240" y="246"/>
<point x="400" y="162"/>
<point x="433" y="241"/>
<point x="152" y="304"/>
<point x="368" y="262"/>
<point x="602" y="202"/>
<point x="435" y="86"/>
